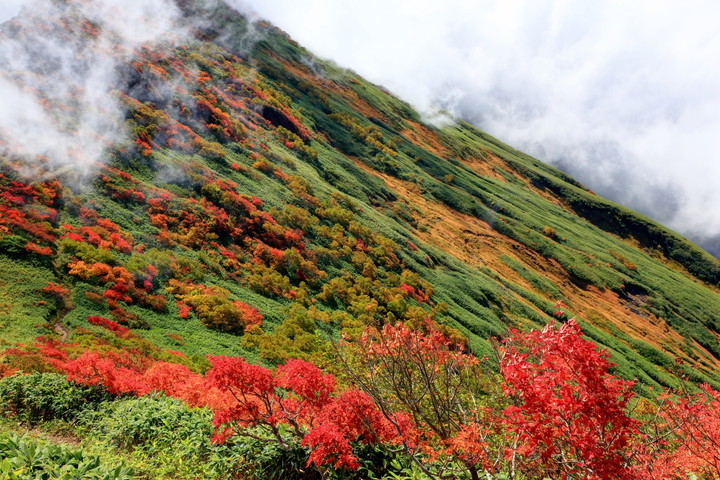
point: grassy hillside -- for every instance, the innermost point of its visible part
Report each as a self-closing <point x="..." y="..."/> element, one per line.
<point x="264" y="201"/>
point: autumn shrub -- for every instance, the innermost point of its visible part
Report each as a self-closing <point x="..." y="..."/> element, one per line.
<point x="85" y="251"/>
<point x="267" y="281"/>
<point x="300" y="401"/>
<point x="435" y="395"/>
<point x="569" y="413"/>
<point x="40" y="397"/>
<point x="55" y="290"/>
<point x="682" y="435"/>
<point x="108" y="325"/>
<point x="295" y="337"/>
<point x="549" y="232"/>
<point x="214" y="308"/>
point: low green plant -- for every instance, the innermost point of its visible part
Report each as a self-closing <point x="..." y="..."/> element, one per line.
<point x="166" y="438"/>
<point x="23" y="458"/>
<point x="40" y="397"/>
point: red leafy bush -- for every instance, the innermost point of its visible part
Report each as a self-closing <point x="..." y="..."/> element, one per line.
<point x="570" y="414"/>
<point x="299" y="396"/>
<point x="108" y="325"/>
<point x="40" y="250"/>
<point x="682" y="437"/>
<point x="55" y="290"/>
<point x="116" y="373"/>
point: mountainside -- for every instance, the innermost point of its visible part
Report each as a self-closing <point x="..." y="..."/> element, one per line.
<point x="261" y="202"/>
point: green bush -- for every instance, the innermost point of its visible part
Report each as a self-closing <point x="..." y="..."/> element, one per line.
<point x="167" y="439"/>
<point x="150" y="422"/>
<point x="23" y="458"/>
<point x="266" y="460"/>
<point x="13" y="244"/>
<point x="39" y="397"/>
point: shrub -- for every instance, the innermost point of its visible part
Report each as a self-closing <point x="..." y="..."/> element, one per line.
<point x="160" y="430"/>
<point x="549" y="232"/>
<point x="45" y="396"/>
<point x="24" y="458"/>
<point x="213" y="306"/>
<point x="150" y="422"/>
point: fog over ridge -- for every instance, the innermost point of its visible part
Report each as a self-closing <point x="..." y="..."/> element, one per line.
<point x="623" y="96"/>
<point x="59" y="102"/>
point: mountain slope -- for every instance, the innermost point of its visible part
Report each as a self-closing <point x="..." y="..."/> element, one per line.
<point x="263" y="200"/>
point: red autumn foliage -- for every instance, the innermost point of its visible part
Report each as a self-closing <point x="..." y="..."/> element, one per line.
<point x="120" y="283"/>
<point x="144" y="146"/>
<point x="184" y="309"/>
<point x="352" y="416"/>
<point x="309" y="407"/>
<point x="682" y="437"/>
<point x="40" y="250"/>
<point x="55" y="290"/>
<point x="311" y="386"/>
<point x="29" y="209"/>
<point x="570" y="414"/>
<point x="131" y="368"/>
<point x="168" y="377"/>
<point x="118" y="373"/>
<point x="108" y="325"/>
<point x="100" y="232"/>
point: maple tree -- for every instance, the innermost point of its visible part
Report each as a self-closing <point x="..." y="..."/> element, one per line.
<point x="569" y="412"/>
<point x="298" y="400"/>
<point x="441" y="404"/>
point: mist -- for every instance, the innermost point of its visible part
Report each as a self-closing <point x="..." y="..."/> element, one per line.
<point x="59" y="106"/>
<point x="624" y="96"/>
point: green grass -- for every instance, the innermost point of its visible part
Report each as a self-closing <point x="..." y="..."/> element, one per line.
<point x="21" y="315"/>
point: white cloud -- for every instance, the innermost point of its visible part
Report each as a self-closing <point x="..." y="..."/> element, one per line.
<point x="623" y="95"/>
<point x="10" y="8"/>
<point x="75" y="73"/>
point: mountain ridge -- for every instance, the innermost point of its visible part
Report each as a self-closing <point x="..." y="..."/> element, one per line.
<point x="372" y="153"/>
<point x="265" y="202"/>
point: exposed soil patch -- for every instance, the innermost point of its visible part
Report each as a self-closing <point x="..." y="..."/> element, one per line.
<point x="425" y="138"/>
<point x="475" y="242"/>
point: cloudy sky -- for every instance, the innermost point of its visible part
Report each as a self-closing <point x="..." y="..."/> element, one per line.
<point x="623" y="95"/>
